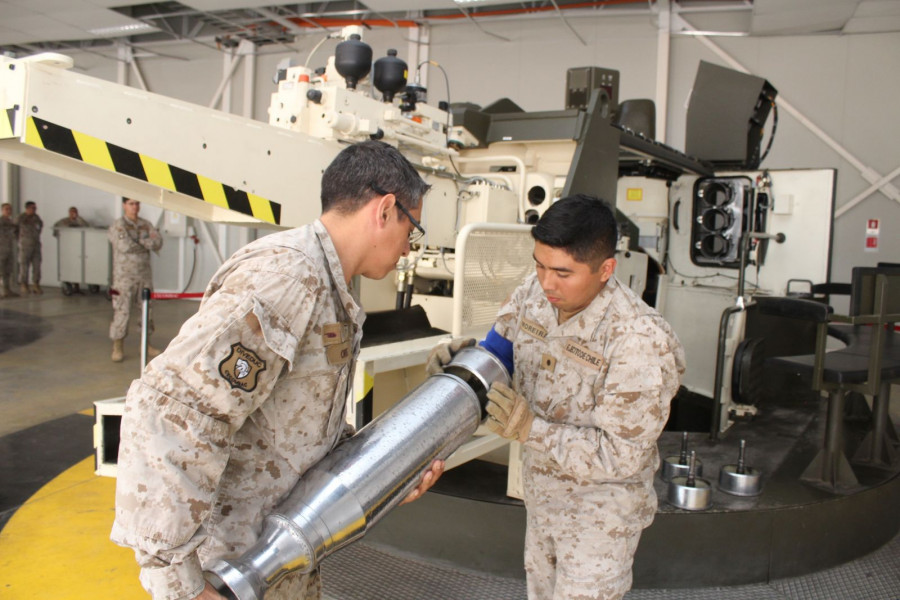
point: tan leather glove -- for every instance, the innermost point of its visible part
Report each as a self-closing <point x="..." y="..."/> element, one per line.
<point x="443" y="353"/>
<point x="509" y="415"/>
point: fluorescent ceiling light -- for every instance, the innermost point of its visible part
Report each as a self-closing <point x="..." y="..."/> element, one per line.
<point x="711" y="33"/>
<point x="122" y="30"/>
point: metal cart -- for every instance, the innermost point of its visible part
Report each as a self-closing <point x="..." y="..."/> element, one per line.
<point x="85" y="258"/>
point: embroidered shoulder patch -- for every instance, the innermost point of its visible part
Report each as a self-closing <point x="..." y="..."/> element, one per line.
<point x="583" y="355"/>
<point x="241" y="368"/>
<point x="533" y="329"/>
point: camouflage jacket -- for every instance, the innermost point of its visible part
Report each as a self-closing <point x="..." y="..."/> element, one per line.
<point x="67" y="222"/>
<point x="246" y="398"/>
<point x="132" y="242"/>
<point x="30" y="227"/>
<point x="9" y="231"/>
<point x="600" y="386"/>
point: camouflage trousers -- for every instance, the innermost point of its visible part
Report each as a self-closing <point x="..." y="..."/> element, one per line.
<point x="128" y="297"/>
<point x="30" y="257"/>
<point x="581" y="562"/>
<point x="7" y="266"/>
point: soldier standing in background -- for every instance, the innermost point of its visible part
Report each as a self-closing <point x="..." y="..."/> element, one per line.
<point x="8" y="233"/>
<point x="73" y="220"/>
<point x="30" y="226"/>
<point x="132" y="239"/>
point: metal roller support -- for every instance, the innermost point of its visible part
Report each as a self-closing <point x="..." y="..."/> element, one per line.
<point x="691" y="492"/>
<point x="351" y="489"/>
<point x="677" y="466"/>
<point x="739" y="479"/>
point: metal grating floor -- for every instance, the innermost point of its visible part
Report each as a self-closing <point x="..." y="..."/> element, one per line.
<point x="365" y="572"/>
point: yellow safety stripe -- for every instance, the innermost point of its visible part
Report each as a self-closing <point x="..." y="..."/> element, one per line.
<point x="7" y="123"/>
<point x="99" y="153"/>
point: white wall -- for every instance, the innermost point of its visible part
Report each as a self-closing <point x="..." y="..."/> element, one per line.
<point x="530" y="69"/>
<point x="847" y="85"/>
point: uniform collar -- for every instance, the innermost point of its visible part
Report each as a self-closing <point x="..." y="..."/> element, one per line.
<point x="592" y="313"/>
<point x="333" y="262"/>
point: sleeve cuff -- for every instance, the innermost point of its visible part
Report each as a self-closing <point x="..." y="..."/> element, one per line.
<point x="177" y="581"/>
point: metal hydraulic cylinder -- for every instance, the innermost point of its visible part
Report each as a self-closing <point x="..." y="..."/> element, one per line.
<point x="352" y="488"/>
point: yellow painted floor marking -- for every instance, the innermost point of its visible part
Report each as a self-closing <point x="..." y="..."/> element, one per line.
<point x="57" y="544"/>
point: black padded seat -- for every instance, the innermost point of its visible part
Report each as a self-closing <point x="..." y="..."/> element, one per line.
<point x="848" y="365"/>
<point x="868" y="364"/>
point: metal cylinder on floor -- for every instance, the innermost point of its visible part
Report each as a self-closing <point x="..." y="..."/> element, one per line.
<point x="348" y="491"/>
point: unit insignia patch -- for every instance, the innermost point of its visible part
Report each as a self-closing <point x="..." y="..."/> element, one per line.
<point x="241" y="368"/>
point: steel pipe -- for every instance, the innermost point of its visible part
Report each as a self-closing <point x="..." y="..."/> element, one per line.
<point x="351" y="489"/>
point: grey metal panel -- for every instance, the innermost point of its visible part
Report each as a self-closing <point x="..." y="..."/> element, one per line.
<point x="595" y="165"/>
<point x="546" y="125"/>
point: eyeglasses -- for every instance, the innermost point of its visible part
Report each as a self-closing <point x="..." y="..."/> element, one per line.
<point x="418" y="233"/>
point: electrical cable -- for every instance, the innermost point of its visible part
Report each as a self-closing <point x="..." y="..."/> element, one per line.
<point x="447" y="124"/>
<point x="671" y="265"/>
<point x="196" y="241"/>
<point x="330" y="36"/>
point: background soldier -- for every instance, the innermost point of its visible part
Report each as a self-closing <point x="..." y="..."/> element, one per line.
<point x="30" y="226"/>
<point x="8" y="234"/>
<point x="132" y="239"/>
<point x="73" y="220"/>
<point x="594" y="369"/>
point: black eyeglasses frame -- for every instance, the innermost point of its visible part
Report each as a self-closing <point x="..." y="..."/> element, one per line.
<point x="414" y="236"/>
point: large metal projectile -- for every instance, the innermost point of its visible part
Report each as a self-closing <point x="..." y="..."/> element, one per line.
<point x="352" y="488"/>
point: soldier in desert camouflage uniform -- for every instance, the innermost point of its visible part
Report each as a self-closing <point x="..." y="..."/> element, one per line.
<point x="8" y="233"/>
<point x="132" y="239"/>
<point x="73" y="220"/>
<point x="251" y="393"/>
<point x="30" y="226"/>
<point x="594" y="369"/>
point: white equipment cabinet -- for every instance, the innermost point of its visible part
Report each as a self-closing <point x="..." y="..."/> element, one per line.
<point x="84" y="257"/>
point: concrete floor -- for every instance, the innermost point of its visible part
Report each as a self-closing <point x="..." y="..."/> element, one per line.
<point x="67" y="366"/>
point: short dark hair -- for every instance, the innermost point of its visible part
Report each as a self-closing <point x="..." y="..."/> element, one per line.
<point x="583" y="226"/>
<point x="348" y="182"/>
<point x="30" y="203"/>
